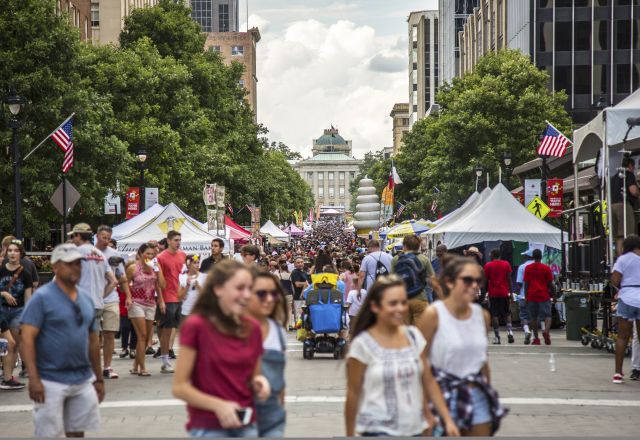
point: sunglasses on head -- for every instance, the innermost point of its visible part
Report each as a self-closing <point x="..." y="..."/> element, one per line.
<point x="262" y="294"/>
<point x="468" y="281"/>
<point x="78" y="313"/>
<point x="17" y="242"/>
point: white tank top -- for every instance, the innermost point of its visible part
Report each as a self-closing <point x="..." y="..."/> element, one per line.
<point x="459" y="347"/>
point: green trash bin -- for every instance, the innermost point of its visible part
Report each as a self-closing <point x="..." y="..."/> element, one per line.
<point x="578" y="311"/>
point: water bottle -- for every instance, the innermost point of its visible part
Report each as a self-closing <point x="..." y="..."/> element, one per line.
<point x="552" y="362"/>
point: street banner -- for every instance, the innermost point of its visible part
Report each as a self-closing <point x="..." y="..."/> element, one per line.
<point x="212" y="219"/>
<point x="151" y="197"/>
<point x="255" y="221"/>
<point x="220" y="191"/>
<point x="531" y="190"/>
<point x="554" y="196"/>
<point x="133" y="202"/>
<point x="209" y="194"/>
<point x="220" y="222"/>
<point x="112" y="204"/>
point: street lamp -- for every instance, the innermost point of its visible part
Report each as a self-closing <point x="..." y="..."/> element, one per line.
<point x="506" y="159"/>
<point x="479" y="170"/>
<point x="15" y="103"/>
<point x="141" y="157"/>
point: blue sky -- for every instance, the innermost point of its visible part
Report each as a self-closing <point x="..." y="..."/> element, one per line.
<point x="323" y="62"/>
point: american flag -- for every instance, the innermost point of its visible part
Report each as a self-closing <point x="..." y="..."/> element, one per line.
<point x="63" y="136"/>
<point x="401" y="209"/>
<point x="553" y="142"/>
<point x="230" y="209"/>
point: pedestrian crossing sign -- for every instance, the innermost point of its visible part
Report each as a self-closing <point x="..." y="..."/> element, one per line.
<point x="538" y="208"/>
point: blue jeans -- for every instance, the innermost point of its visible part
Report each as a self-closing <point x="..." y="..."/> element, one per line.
<point x="275" y="432"/>
<point x="246" y="431"/>
<point x="627" y="312"/>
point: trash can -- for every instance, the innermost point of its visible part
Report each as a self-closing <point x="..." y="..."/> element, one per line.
<point x="578" y="312"/>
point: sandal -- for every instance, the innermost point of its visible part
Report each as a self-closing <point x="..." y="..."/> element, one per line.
<point x="144" y="373"/>
<point x="134" y="372"/>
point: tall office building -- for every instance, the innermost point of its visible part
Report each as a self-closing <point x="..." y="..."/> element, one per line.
<point x="216" y="15"/>
<point x="453" y="15"/>
<point x="400" y="115"/>
<point x="79" y="15"/>
<point x="107" y="18"/>
<point x="423" y="63"/>
<point x="589" y="48"/>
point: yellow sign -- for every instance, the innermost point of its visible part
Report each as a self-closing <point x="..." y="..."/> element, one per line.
<point x="538" y="208"/>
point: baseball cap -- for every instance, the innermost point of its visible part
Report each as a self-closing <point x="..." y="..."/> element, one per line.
<point x="67" y="253"/>
<point x="528" y="252"/>
<point x="81" y="228"/>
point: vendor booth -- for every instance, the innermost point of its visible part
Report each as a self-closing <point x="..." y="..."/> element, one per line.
<point x="294" y="231"/>
<point x="274" y="233"/>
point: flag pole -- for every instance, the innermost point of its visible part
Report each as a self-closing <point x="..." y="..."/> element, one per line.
<point x="64" y="207"/>
<point x="48" y="136"/>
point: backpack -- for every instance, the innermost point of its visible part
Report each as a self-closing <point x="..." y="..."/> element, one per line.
<point x="381" y="270"/>
<point x="411" y="270"/>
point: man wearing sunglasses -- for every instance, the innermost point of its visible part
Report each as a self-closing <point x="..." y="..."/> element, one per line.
<point x="65" y="376"/>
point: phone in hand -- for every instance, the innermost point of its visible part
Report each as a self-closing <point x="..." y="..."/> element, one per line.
<point x="245" y="414"/>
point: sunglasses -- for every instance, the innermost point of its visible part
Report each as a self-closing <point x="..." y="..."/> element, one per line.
<point x="262" y="294"/>
<point x="468" y="281"/>
<point x="18" y="242"/>
<point x="78" y="313"/>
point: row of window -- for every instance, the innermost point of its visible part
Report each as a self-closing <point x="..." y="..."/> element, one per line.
<point x="626" y="77"/>
<point x="332" y="192"/>
<point x="330" y="175"/>
<point x="584" y="3"/>
<point x="236" y="51"/>
<point x="626" y="35"/>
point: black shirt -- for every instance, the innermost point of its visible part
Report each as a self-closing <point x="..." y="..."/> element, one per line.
<point x="616" y="188"/>
<point x="298" y="276"/>
<point x="207" y="263"/>
<point x="22" y="283"/>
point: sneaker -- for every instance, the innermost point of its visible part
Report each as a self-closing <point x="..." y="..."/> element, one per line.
<point x="156" y="355"/>
<point x="496" y="340"/>
<point x="510" y="338"/>
<point x="172" y="355"/>
<point x="536" y="341"/>
<point x="11" y="384"/>
<point x="635" y="374"/>
<point x="150" y="351"/>
<point x="108" y="373"/>
<point x="124" y="353"/>
<point x="132" y="354"/>
<point x="617" y="378"/>
<point x="547" y="338"/>
<point x="527" y="338"/>
<point x="167" y="368"/>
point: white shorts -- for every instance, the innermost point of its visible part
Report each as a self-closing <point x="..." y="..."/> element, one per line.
<point x="136" y="310"/>
<point x="66" y="408"/>
<point x="111" y="317"/>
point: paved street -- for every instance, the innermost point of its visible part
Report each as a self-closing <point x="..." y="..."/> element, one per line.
<point x="578" y="399"/>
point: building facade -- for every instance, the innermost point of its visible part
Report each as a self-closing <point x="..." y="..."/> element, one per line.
<point x="423" y="63"/>
<point x="589" y="48"/>
<point x="330" y="171"/>
<point x="216" y="15"/>
<point x="79" y="13"/>
<point x="107" y="18"/>
<point x="452" y="16"/>
<point x="400" y="115"/>
<point x="239" y="47"/>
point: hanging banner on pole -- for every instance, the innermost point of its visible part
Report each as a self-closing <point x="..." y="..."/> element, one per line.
<point x="209" y="194"/>
<point x="133" y="202"/>
<point x="531" y="190"/>
<point x="212" y="219"/>
<point x="112" y="204"/>
<point x="555" y="188"/>
<point x="151" y="197"/>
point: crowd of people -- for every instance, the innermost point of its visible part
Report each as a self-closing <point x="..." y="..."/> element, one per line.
<point x="417" y="328"/>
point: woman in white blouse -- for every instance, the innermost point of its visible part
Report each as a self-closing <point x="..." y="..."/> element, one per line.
<point x="389" y="380"/>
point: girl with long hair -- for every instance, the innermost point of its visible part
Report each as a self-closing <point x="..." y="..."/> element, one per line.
<point x="268" y="306"/>
<point x="389" y="381"/>
<point x="456" y="332"/>
<point x="190" y="284"/>
<point x="219" y="368"/>
<point x="145" y="279"/>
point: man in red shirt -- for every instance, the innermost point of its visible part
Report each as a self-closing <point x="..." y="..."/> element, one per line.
<point x="171" y="262"/>
<point x="538" y="285"/>
<point x="498" y="275"/>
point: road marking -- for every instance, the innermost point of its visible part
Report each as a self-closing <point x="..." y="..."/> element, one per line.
<point x="340" y="399"/>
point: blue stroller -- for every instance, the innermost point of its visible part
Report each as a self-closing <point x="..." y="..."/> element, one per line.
<point x="324" y="319"/>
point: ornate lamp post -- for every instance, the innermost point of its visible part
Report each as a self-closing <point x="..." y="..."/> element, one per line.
<point x="141" y="156"/>
<point x="15" y="103"/>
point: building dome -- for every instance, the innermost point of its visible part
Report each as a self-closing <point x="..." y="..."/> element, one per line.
<point x="331" y="139"/>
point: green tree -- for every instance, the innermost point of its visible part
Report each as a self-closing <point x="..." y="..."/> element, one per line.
<point x="169" y="26"/>
<point x="500" y="107"/>
<point x="282" y="148"/>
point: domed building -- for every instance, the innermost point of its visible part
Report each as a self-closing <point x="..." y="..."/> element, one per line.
<point x="330" y="170"/>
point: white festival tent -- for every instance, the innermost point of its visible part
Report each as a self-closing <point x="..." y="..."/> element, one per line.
<point x="499" y="217"/>
<point x="195" y="240"/>
<point x="135" y="223"/>
<point x="472" y="198"/>
<point x="270" y="229"/>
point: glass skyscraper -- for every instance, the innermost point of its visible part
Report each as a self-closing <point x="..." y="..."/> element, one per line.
<point x="216" y="15"/>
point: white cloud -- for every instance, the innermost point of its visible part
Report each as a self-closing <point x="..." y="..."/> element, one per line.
<point x="313" y="74"/>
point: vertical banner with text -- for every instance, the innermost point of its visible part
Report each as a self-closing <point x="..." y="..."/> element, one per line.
<point x="133" y="202"/>
<point x="555" y="188"/>
<point x="151" y="197"/>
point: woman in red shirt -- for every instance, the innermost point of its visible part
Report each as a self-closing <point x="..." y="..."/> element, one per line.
<point x="219" y="367"/>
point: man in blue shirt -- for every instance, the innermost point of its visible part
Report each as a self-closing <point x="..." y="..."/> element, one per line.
<point x="62" y="352"/>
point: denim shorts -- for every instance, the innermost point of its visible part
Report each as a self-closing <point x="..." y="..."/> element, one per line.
<point x="628" y="312"/>
<point x="246" y="431"/>
<point x="524" y="311"/>
<point x="12" y="316"/>
<point x="539" y="310"/>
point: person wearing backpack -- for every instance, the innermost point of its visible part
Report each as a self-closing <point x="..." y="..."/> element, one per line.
<point x="375" y="264"/>
<point x="415" y="270"/>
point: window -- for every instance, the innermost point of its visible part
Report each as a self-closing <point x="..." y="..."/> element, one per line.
<point x="331" y="175"/>
<point x="563" y="79"/>
<point x="341" y="176"/>
<point x="201" y="12"/>
<point x="223" y="18"/>
<point x="214" y="49"/>
<point x="600" y="35"/>
<point x="321" y="176"/>
<point x="582" y="35"/>
<point x="545" y="42"/>
<point x="241" y="83"/>
<point x="563" y="3"/>
<point x="237" y="51"/>
<point x="310" y="176"/>
<point x="320" y="191"/>
<point x="600" y="80"/>
<point x="564" y="35"/>
<point x="582" y="80"/>
<point x="623" y="79"/>
<point x="95" y="14"/>
<point x="332" y="191"/>
<point x="623" y="34"/>
<point x="341" y="191"/>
